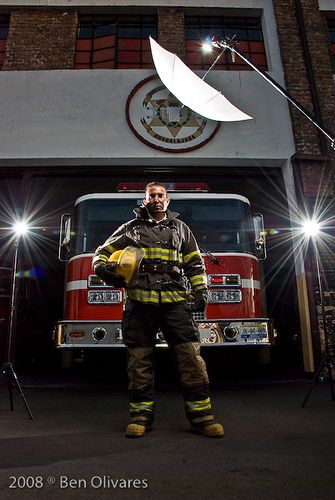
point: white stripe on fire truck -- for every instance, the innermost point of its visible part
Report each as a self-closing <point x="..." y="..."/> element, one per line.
<point x="82" y="284"/>
<point x="246" y="283"/>
<point x="76" y="285"/>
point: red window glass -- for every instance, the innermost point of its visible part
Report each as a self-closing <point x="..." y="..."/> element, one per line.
<point x="4" y="26"/>
<point x="115" y="41"/>
<point x="129" y="44"/>
<point x="331" y="30"/>
<point x="103" y="55"/>
<point x="104" y="42"/>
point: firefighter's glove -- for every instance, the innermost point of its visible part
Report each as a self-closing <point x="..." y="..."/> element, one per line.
<point x="200" y="300"/>
<point x="106" y="272"/>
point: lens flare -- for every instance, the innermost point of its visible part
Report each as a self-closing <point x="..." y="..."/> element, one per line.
<point x="20" y="228"/>
<point x="207" y="47"/>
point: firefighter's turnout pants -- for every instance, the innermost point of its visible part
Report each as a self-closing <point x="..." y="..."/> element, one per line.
<point x="140" y="325"/>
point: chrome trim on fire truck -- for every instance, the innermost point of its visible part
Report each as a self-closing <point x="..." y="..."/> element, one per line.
<point x="246" y="283"/>
<point x="80" y="256"/>
<point x="76" y="285"/>
<point x="173" y="195"/>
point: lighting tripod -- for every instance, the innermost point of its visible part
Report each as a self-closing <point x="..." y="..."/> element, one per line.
<point x="7" y="368"/>
<point x="327" y="360"/>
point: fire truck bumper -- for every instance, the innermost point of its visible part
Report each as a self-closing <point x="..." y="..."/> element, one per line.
<point x="233" y="332"/>
<point x="79" y="334"/>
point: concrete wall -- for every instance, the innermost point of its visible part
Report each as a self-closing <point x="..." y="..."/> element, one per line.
<point x="65" y="116"/>
<point x="327" y="5"/>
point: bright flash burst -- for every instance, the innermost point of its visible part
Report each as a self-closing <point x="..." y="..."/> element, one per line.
<point x="311" y="228"/>
<point x="20" y="228"/>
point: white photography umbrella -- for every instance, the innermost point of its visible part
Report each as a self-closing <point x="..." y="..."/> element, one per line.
<point x="190" y="90"/>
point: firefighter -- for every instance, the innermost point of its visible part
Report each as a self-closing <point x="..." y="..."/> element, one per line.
<point x="165" y="265"/>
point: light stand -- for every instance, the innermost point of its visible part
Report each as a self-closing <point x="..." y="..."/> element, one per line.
<point x="326" y="361"/>
<point x="230" y="43"/>
<point x="7" y="367"/>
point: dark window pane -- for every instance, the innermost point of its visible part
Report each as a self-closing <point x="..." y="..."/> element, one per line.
<point x="85" y="31"/>
<point x="105" y="29"/>
<point x="129" y="31"/>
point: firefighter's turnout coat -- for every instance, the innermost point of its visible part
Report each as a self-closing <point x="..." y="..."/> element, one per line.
<point x="172" y="263"/>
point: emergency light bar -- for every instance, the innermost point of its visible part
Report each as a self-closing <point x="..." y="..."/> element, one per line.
<point x="135" y="187"/>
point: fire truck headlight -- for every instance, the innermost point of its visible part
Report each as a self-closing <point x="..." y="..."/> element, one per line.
<point x="99" y="334"/>
<point x="104" y="297"/>
<point x="224" y="280"/>
<point x="219" y="296"/>
<point x="230" y="333"/>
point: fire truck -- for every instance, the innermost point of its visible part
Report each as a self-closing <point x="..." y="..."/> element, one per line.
<point x="231" y="240"/>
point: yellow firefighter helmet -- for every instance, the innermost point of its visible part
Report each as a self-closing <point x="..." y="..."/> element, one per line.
<point x="127" y="262"/>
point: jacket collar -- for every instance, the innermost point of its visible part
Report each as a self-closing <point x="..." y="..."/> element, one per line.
<point x="143" y="213"/>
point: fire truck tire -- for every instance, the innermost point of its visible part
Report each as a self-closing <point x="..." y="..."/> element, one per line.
<point x="66" y="359"/>
<point x="264" y="355"/>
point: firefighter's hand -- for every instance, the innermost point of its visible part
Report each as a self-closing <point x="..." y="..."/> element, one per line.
<point x="200" y="300"/>
<point x="106" y="271"/>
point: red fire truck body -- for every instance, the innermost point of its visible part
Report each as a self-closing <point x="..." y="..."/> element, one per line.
<point x="231" y="244"/>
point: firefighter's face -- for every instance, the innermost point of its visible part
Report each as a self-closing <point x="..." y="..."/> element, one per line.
<point x="156" y="200"/>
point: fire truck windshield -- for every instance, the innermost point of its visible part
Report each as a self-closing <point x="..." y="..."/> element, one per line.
<point x="219" y="224"/>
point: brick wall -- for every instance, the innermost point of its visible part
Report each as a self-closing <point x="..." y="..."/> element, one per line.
<point x="41" y="40"/>
<point x="297" y="81"/>
<point x="171" y="31"/>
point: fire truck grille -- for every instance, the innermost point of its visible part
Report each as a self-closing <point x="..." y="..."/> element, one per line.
<point x="199" y="316"/>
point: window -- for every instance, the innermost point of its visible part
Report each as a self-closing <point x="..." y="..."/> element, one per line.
<point x="114" y="42"/>
<point x="248" y="33"/>
<point x="220" y="224"/>
<point x="4" y="26"/>
<point x="331" y="27"/>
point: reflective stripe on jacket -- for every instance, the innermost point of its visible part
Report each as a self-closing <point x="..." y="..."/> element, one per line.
<point x="168" y="246"/>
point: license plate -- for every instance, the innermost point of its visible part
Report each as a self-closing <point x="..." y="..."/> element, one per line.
<point x="254" y="331"/>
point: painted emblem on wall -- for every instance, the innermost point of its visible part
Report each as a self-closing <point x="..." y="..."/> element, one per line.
<point x="159" y="120"/>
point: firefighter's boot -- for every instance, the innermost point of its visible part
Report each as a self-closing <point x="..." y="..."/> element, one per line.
<point x="212" y="429"/>
<point x="136" y="430"/>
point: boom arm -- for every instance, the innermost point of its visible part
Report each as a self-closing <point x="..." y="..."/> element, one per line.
<point x="228" y="43"/>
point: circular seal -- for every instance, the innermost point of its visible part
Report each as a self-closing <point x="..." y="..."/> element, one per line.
<point x="159" y="120"/>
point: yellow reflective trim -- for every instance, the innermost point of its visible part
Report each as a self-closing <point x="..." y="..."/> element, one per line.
<point x="198" y="279"/>
<point x="110" y="248"/>
<point x="141" y="403"/>
<point x="192" y="254"/>
<point x="102" y="257"/>
<point x="162" y="254"/>
<point x="204" y="404"/>
<point x="143" y="295"/>
<point x="175" y="296"/>
<point x="151" y="296"/>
